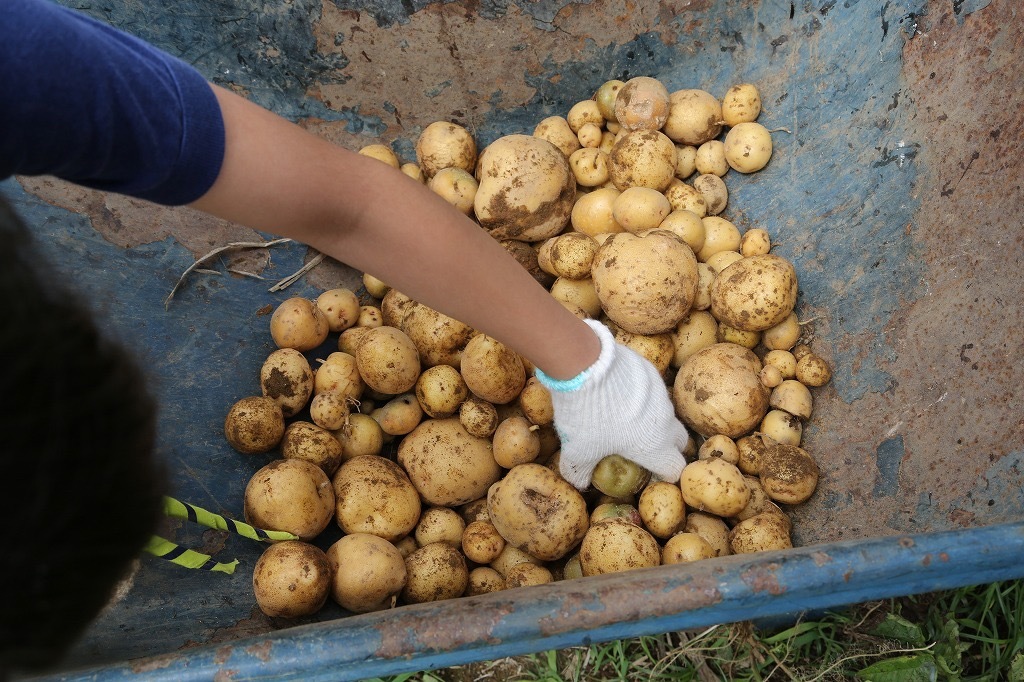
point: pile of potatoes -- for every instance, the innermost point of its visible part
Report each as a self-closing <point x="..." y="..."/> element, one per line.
<point x="431" y="446"/>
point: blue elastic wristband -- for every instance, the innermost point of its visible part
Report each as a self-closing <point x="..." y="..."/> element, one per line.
<point x="563" y="385"/>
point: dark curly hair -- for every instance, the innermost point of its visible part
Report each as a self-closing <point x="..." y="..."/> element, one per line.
<point x="80" y="484"/>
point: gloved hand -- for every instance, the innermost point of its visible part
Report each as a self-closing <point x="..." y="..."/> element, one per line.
<point x="619" y="405"/>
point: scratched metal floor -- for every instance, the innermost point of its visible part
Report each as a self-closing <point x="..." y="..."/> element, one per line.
<point x="895" y="187"/>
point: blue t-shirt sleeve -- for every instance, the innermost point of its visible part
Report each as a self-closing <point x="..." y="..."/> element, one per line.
<point x="90" y="104"/>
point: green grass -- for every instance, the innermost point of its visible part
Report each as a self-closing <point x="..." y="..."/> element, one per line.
<point x="973" y="634"/>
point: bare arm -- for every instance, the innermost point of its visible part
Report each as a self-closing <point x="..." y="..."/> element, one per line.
<point x="279" y="178"/>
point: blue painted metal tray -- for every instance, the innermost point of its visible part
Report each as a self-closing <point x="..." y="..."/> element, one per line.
<point x="894" y="188"/>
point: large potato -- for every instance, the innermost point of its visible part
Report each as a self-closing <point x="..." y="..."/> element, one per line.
<point x="646" y="283"/>
<point x="617" y="545"/>
<point x="754" y="293"/>
<point x="538" y="511"/>
<point x="527" y="189"/>
<point x="374" y="495"/>
<point x="715" y="486"/>
<point x="292" y="495"/>
<point x="446" y="464"/>
<point x="492" y="370"/>
<point x="642" y="158"/>
<point x="291" y="579"/>
<point x="367" y="572"/>
<point x="717" y="391"/>
<point x="388" y="360"/>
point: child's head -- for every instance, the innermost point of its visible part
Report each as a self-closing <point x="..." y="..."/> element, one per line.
<point x="80" y="487"/>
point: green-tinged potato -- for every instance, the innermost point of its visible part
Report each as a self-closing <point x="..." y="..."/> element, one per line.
<point x="683" y="548"/>
<point x="616" y="510"/>
<point x="374" y="495"/>
<point x="760" y="533"/>
<point x="695" y="116"/>
<point x="712" y="529"/>
<point x="618" y="477"/>
<point x="748" y="147"/>
<point x="617" y="545"/>
<point x="440" y="524"/>
<point x="368" y="573"/>
<point x="606" y="96"/>
<point x="388" y="360"/>
<point x="287" y="378"/>
<point x="526" y="190"/>
<point x="341" y="308"/>
<point x="359" y="435"/>
<point x="789" y="474"/>
<point x="646" y="283"/>
<point x="435" y="572"/>
<point x="445" y="145"/>
<point x="254" y="425"/>
<point x="307" y="441"/>
<point x="298" y="323"/>
<point x="446" y="464"/>
<point x="291" y="579"/>
<point x="492" y="371"/>
<point x="662" y="509"/>
<point x="714" y="486"/>
<point x="718" y="390"/>
<point x="550" y="524"/>
<point x="481" y="542"/>
<point x="642" y="158"/>
<point x="291" y="495"/>
<point x="755" y="293"/>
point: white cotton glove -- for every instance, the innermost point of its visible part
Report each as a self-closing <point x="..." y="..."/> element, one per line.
<point x="619" y="405"/>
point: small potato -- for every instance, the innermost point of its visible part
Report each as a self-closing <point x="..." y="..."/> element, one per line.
<point x="492" y="371"/>
<point x="568" y="255"/>
<point x="440" y="391"/>
<point x="713" y="529"/>
<point x="445" y="145"/>
<point x="589" y="166"/>
<point x="456" y="186"/>
<point x="374" y="495"/>
<point x="719" y="235"/>
<point x="339" y="374"/>
<point x="481" y="542"/>
<point x="793" y="397"/>
<point x="760" y="533"/>
<point x="577" y="293"/>
<point x="682" y="196"/>
<point x="478" y="417"/>
<point x="370" y="316"/>
<point x="686" y="161"/>
<point x="406" y="546"/>
<point x="556" y="130"/>
<point x="329" y="410"/>
<point x="307" y="441"/>
<point x="291" y="579"/>
<point x="740" y="337"/>
<point x="440" y="524"/>
<point x="770" y="376"/>
<point x="683" y="548"/>
<point x="435" y="572"/>
<point x="686" y="225"/>
<point x="582" y="113"/>
<point x="606" y="96"/>
<point x="710" y="158"/>
<point x="784" y="335"/>
<point x="617" y="510"/>
<point x="642" y="158"/>
<point x="440" y="339"/>
<point x="341" y="308"/>
<point x="374" y="286"/>
<point x="705" y="278"/>
<point x="592" y="213"/>
<point x="254" y="425"/>
<point x="287" y="378"/>
<point x="784" y="361"/>
<point x="591" y="136"/>
<point x="535" y="401"/>
<point x="696" y="331"/>
<point x="639" y="209"/>
<point x="512" y="556"/>
<point x="414" y="171"/>
<point x="527" y="575"/>
<point x="292" y="495"/>
<point x="782" y="427"/>
<point x="719" y="446"/>
<point x="662" y="509"/>
<point x="741" y="104"/>
<point x="300" y="324"/>
<point x="484" y="580"/>
<point x="515" y="441"/>
<point x="755" y="242"/>
<point x="812" y="370"/>
<point x="475" y="510"/>
<point x="800" y="350"/>
<point x="359" y="435"/>
<point x="368" y="572"/>
<point x="388" y="360"/>
<point x="695" y="116"/>
<point x="716" y="194"/>
<point x="617" y="545"/>
<point x="748" y="147"/>
<point x="788" y="474"/>
<point x="400" y="415"/>
<point x="721" y="260"/>
<point x="619" y="478"/>
<point x="753" y="449"/>
<point x="714" y="486"/>
<point x="642" y="103"/>
<point x="658" y="348"/>
<point x="759" y="501"/>
<point x="381" y="152"/>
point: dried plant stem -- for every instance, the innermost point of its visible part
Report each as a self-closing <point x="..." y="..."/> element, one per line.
<point x="232" y="246"/>
<point x="292" y="278"/>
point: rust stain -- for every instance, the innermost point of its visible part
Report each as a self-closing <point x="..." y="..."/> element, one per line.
<point x="222" y="655"/>
<point x="224" y="675"/>
<point x="153" y="664"/>
<point x="261" y="650"/>
<point x="763" y="579"/>
<point x="424" y="629"/>
<point x="927" y="560"/>
<point x="943" y="557"/>
<point x="821" y="558"/>
<point x="906" y="543"/>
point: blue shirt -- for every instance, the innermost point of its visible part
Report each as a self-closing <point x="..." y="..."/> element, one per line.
<point x="90" y="104"/>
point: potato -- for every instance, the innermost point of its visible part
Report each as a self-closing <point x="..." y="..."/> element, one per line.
<point x="456" y="186"/>
<point x="755" y="242"/>
<point x="440" y="390"/>
<point x="684" y="197"/>
<point x="719" y="235"/>
<point x="619" y="478"/>
<point x="341" y="308"/>
<point x="406" y="546"/>
<point x="307" y="441"/>
<point x="642" y="103"/>
<point x="783" y="360"/>
<point x="535" y="402"/>
<point x="368" y="572"/>
<point x="478" y="417"/>
<point x="752" y="449"/>
<point x="339" y="374"/>
<point x="617" y="545"/>
<point x="639" y="209"/>
<point x="435" y="572"/>
<point x="606" y="96"/>
<point x="291" y="579"/>
<point x="287" y="378"/>
<point x="439" y="339"/>
<point x="557" y="131"/>
<point x="445" y="145"/>
<point x="515" y="441"/>
<point x="374" y="286"/>
<point x="760" y="533"/>
<point x="721" y="447"/>
<point x="662" y="509"/>
<point x="686" y="161"/>
<point x="292" y="495"/>
<point x="712" y="529"/>
<point x="770" y="375"/>
<point x="710" y="158"/>
<point x="748" y="147"/>
<point x="592" y="213"/>
<point x="727" y="334"/>
<point x="374" y="495"/>
<point x="577" y="294"/>
<point x="512" y="556"/>
<point x="582" y="113"/>
<point x="685" y="547"/>
<point x="369" y="316"/>
<point x="720" y="261"/>
<point x="741" y="104"/>
<point x="526" y="189"/>
<point x="349" y="340"/>
<point x="812" y="370"/>
<point x="381" y="152"/>
<point x="788" y="474"/>
<point x="329" y="410"/>
<point x="686" y="225"/>
<point x="696" y="331"/>
<point x="568" y="255"/>
<point x="642" y="158"/>
<point x="550" y="524"/>
<point x="645" y="283"/>
<point x="784" y="335"/>
<point x="759" y="501"/>
<point x="414" y="171"/>
<point x="492" y="371"/>
<point x="440" y="524"/>
<point x="717" y="390"/>
<point x="657" y="348"/>
<point x="359" y="435"/>
<point x="400" y="415"/>
<point x="715" y="486"/>
<point x="254" y="425"/>
<point x="484" y="580"/>
<point x="591" y="136"/>
<point x="714" y="190"/>
<point x="388" y="360"/>
<point x="526" y="575"/>
<point x="617" y="510"/>
<point x="589" y="166"/>
<point x="793" y="397"/>
<point x="755" y="293"/>
<point x="695" y="116"/>
<point x="298" y="323"/>
<point x="782" y="427"/>
<point x="446" y="464"/>
<point x="481" y="542"/>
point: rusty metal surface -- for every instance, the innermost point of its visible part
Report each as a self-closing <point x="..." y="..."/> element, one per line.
<point x="894" y="188"/>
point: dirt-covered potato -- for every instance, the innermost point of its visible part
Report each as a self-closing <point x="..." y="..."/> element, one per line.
<point x="388" y="360"/>
<point x="569" y="255"/>
<point x="440" y="391"/>
<point x="589" y="166"/>
<point x="695" y="116"/>
<point x="642" y="158"/>
<point x="435" y="572"/>
<point x="551" y="524"/>
<point x="254" y="425"/>
<point x="717" y="390"/>
<point x="445" y="145"/>
<point x="367" y="572"/>
<point x="526" y="575"/>
<point x="287" y="378"/>
<point x="439" y="524"/>
<point x="646" y="283"/>
<point x="781" y="426"/>
<point x="307" y="441"/>
<point x="685" y="547"/>
<point x="741" y="104"/>
<point x="492" y="370"/>
<point x="686" y="225"/>
<point x="478" y="417"/>
<point x="793" y="397"/>
<point x="813" y="370"/>
<point x="748" y="147"/>
<point x="339" y="374"/>
<point x="439" y="338"/>
<point x="292" y="495"/>
<point x="291" y="579"/>
<point x="760" y="533"/>
<point x="446" y="464"/>
<point x="617" y="545"/>
<point x="715" y="193"/>
<point x="374" y="495"/>
<point x="788" y="473"/>
<point x="300" y="324"/>
<point x="642" y="103"/>
<point x="619" y="478"/>
<point x="696" y="331"/>
<point x="658" y="348"/>
<point x="715" y="486"/>
<point x="481" y="542"/>
<point x="515" y="441"/>
<point x="719" y="446"/>
<point x="512" y="556"/>
<point x="684" y="197"/>
<point x="341" y="308"/>
<point x="755" y="293"/>
<point x="662" y="509"/>
<point x="535" y="402"/>
<point x="526" y="189"/>
<point x="484" y="580"/>
<point x="329" y="410"/>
